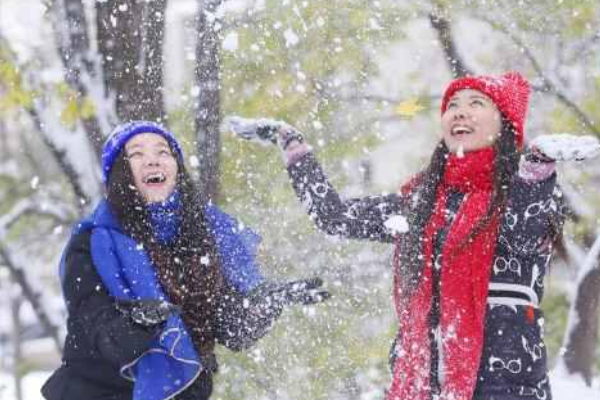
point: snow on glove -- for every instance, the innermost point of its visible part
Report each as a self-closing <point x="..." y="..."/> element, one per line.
<point x="562" y="147"/>
<point x="146" y="312"/>
<point x="304" y="291"/>
<point x="263" y="130"/>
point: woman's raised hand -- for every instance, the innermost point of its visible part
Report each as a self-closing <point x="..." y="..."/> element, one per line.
<point x="303" y="292"/>
<point x="263" y="130"/>
<point x="563" y="147"/>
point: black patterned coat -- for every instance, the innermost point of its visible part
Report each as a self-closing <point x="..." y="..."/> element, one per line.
<point x="513" y="363"/>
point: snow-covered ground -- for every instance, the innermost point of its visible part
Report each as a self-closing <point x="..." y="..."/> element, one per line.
<point x="564" y="387"/>
<point x="31" y="385"/>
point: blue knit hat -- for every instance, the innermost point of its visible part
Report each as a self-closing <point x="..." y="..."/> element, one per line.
<point x="123" y="133"/>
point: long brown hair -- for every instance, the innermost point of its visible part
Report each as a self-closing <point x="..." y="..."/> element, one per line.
<point x="423" y="196"/>
<point x="188" y="268"/>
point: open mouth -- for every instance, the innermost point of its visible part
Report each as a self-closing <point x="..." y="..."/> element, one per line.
<point x="461" y="130"/>
<point x="155" y="178"/>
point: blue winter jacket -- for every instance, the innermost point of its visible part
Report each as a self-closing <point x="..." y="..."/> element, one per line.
<point x="108" y="356"/>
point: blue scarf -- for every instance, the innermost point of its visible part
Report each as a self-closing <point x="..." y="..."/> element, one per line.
<point x="165" y="218"/>
<point x="172" y="363"/>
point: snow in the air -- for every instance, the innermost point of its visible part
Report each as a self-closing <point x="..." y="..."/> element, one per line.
<point x="342" y="72"/>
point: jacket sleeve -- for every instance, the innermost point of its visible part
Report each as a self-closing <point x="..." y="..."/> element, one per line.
<point x="361" y="218"/>
<point x="535" y="209"/>
<point x="243" y="319"/>
<point x="114" y="336"/>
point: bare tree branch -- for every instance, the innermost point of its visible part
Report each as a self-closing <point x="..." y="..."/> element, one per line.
<point x="547" y="85"/>
<point x="29" y="206"/>
<point x="16" y="269"/>
<point x="376" y="98"/>
<point x="33" y="297"/>
<point x="443" y="28"/>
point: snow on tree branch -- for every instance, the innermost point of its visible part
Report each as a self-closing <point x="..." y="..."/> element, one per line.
<point x="71" y="150"/>
<point x="82" y="68"/>
<point x="58" y="212"/>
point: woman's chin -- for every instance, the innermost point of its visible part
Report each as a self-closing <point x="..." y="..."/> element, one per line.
<point x="463" y="148"/>
<point x="150" y="198"/>
<point x="156" y="193"/>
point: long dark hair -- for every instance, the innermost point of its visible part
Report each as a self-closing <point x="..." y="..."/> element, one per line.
<point x="188" y="268"/>
<point x="423" y="195"/>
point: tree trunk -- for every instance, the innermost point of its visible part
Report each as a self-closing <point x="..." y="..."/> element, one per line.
<point x="130" y="40"/>
<point x="207" y="108"/>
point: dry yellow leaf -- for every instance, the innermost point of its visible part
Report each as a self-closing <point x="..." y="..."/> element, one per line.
<point x="409" y="108"/>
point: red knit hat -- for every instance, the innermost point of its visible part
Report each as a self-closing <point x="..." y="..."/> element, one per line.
<point x="510" y="93"/>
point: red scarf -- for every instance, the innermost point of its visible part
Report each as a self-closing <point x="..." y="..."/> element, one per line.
<point x="464" y="287"/>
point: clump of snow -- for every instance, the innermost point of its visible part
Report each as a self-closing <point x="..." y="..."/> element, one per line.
<point x="565" y="146"/>
<point x="291" y="39"/>
<point x="231" y="41"/>
<point x="397" y="224"/>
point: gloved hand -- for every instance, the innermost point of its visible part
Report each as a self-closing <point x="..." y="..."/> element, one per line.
<point x="562" y="147"/>
<point x="264" y="131"/>
<point x="245" y="318"/>
<point x="147" y="312"/>
<point x="303" y="291"/>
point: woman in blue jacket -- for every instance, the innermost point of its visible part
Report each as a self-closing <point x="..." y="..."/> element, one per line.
<point x="153" y="279"/>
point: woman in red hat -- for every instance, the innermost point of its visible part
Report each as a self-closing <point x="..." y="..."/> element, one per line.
<point x="473" y="234"/>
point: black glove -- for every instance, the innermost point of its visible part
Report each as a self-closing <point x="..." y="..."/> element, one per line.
<point x="304" y="291"/>
<point x="148" y="312"/>
<point x="263" y="130"/>
<point x="244" y="319"/>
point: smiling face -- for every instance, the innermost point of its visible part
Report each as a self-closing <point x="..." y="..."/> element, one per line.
<point x="153" y="166"/>
<point x="471" y="122"/>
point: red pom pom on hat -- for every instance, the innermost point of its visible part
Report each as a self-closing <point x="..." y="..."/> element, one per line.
<point x="510" y="93"/>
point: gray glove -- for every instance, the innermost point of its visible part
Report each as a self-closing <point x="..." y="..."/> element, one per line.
<point x="263" y="130"/>
<point x="562" y="147"/>
<point x="146" y="312"/>
<point x="303" y="291"/>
